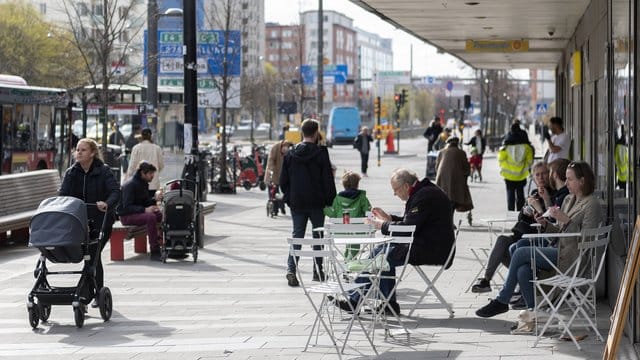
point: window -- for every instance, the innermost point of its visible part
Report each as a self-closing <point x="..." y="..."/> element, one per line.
<point x="245" y="21"/>
<point x="43" y="8"/>
<point x="287" y="33"/>
<point x="123" y="12"/>
<point x="98" y="10"/>
<point x="274" y="33"/>
<point x="245" y="6"/>
<point x="83" y="9"/>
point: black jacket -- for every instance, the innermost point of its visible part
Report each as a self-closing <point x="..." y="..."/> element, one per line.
<point x="98" y="184"/>
<point x="359" y="142"/>
<point x="429" y="208"/>
<point x="135" y="196"/>
<point x="483" y="142"/>
<point x="306" y="179"/>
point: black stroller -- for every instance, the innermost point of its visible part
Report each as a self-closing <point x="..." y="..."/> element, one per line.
<point x="182" y="221"/>
<point x="60" y="230"/>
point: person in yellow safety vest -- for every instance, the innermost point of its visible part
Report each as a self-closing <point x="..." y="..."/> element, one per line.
<point x="621" y="157"/>
<point x="514" y="161"/>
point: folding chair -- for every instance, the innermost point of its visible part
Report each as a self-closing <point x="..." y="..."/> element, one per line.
<point x="402" y="235"/>
<point x="351" y="230"/>
<point x="332" y="286"/>
<point x="496" y="227"/>
<point x="574" y="289"/>
<point x="431" y="283"/>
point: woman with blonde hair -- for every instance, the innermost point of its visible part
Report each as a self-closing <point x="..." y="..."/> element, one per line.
<point x="91" y="180"/>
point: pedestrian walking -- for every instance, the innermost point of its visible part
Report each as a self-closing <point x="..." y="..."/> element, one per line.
<point x="274" y="166"/>
<point x="91" y="180"/>
<point x="148" y="151"/>
<point x="432" y="133"/>
<point x="307" y="183"/>
<point x="451" y="176"/>
<point x="362" y="142"/>
<point x="515" y="158"/>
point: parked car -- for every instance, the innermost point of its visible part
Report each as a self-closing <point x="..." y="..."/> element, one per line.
<point x="263" y="127"/>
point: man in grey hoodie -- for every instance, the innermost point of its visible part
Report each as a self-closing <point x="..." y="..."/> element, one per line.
<point x="307" y="183"/>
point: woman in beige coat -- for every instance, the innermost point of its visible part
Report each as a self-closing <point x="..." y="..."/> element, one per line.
<point x="147" y="151"/>
<point x="451" y="176"/>
<point x="580" y="210"/>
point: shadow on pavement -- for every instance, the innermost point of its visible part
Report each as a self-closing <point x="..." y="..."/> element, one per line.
<point x="119" y="330"/>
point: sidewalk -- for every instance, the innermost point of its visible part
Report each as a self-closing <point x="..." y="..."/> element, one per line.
<point x="234" y="303"/>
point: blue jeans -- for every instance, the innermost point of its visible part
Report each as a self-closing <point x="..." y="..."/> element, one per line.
<point x="520" y="273"/>
<point x="394" y="259"/>
<point x="527" y="242"/>
<point x="300" y="219"/>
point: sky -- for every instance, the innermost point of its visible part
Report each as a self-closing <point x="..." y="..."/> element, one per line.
<point x="426" y="60"/>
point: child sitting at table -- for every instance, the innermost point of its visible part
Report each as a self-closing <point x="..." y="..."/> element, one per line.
<point x="351" y="200"/>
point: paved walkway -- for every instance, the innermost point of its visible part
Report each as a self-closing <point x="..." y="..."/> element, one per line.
<point x="235" y="303"/>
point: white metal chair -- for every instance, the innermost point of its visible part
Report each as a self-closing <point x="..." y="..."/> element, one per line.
<point x="496" y="227"/>
<point x="431" y="283"/>
<point x="575" y="289"/>
<point x="331" y="288"/>
<point x="402" y="236"/>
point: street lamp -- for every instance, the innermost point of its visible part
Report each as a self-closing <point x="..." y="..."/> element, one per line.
<point x="153" y="16"/>
<point x="191" y="96"/>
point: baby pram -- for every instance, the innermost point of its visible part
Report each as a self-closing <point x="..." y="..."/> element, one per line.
<point x="60" y="230"/>
<point x="182" y="221"/>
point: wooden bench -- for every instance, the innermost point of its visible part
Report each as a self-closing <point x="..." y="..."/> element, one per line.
<point x="120" y="233"/>
<point x="20" y="195"/>
<point x="138" y="233"/>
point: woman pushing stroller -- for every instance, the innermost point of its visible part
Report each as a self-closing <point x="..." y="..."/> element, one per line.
<point x="91" y="180"/>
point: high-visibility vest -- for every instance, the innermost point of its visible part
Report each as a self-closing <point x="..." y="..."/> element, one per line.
<point x="515" y="161"/>
<point x="621" y="157"/>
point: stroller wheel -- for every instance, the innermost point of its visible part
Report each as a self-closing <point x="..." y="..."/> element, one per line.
<point x="194" y="253"/>
<point x="105" y="303"/>
<point x="34" y="315"/>
<point x="78" y="316"/>
<point x="262" y="185"/>
<point x="246" y="185"/>
<point x="45" y="311"/>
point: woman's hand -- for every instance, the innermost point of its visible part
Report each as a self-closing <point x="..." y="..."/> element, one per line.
<point x="380" y="214"/>
<point x="544" y="194"/>
<point x="102" y="206"/>
<point x="559" y="215"/>
<point x="542" y="221"/>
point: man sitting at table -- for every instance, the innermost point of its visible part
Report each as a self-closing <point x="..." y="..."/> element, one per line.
<point x="429" y="209"/>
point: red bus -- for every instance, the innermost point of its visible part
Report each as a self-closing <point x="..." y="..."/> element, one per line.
<point x="31" y="122"/>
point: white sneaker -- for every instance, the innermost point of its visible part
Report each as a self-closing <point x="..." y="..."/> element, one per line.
<point x="526" y="323"/>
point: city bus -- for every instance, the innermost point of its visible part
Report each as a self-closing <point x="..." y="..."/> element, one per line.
<point x="30" y="116"/>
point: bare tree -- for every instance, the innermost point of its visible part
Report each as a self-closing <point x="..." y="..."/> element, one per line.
<point x="103" y="36"/>
<point x="223" y="16"/>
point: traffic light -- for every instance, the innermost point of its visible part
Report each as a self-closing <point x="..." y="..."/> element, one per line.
<point x="376" y="105"/>
<point x="397" y="99"/>
<point x="403" y="97"/>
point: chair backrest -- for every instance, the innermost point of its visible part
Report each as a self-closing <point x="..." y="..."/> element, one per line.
<point x="313" y="242"/>
<point x="592" y="249"/>
<point x="349" y="230"/>
<point x="402" y="234"/>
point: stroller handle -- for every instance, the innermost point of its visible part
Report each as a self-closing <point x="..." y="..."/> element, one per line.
<point x="182" y="182"/>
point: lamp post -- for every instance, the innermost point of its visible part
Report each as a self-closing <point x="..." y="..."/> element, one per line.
<point x="190" y="93"/>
